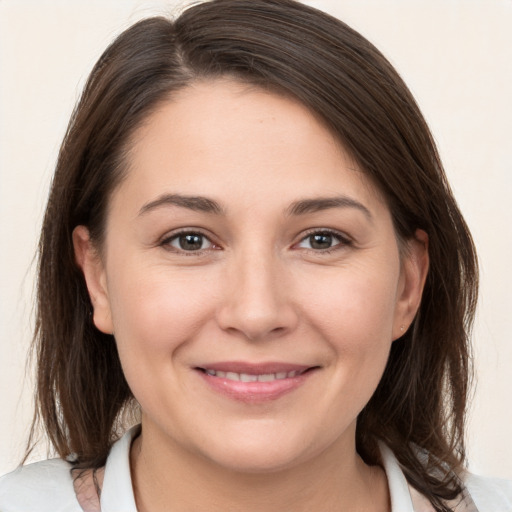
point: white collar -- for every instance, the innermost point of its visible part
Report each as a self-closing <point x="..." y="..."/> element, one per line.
<point x="117" y="492"/>
<point x="401" y="500"/>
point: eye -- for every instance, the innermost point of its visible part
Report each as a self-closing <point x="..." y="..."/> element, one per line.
<point x="322" y="241"/>
<point x="189" y="242"/>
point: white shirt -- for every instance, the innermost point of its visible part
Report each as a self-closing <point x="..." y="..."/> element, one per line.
<point x="47" y="486"/>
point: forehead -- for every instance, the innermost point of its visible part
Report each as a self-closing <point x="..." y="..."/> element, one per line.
<point x="216" y="136"/>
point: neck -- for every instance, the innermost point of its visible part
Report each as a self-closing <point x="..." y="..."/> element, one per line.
<point x="337" y="479"/>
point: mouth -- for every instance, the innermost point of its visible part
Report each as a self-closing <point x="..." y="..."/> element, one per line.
<point x="255" y="383"/>
<point x="250" y="377"/>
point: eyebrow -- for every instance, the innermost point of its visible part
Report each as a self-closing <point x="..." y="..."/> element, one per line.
<point x="301" y="207"/>
<point x="306" y="206"/>
<point x="195" y="203"/>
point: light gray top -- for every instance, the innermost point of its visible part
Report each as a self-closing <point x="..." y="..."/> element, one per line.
<point x="47" y="486"/>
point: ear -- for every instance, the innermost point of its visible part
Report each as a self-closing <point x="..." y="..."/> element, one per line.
<point x="414" y="270"/>
<point x="88" y="259"/>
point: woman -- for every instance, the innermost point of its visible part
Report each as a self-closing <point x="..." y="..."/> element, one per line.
<point x="251" y="244"/>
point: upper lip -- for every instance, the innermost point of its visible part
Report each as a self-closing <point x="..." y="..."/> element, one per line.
<point x="254" y="368"/>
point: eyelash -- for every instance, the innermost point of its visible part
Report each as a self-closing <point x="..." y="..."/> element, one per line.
<point x="344" y="241"/>
<point x="166" y="243"/>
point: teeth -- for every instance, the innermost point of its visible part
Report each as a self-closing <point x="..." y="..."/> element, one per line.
<point x="247" y="377"/>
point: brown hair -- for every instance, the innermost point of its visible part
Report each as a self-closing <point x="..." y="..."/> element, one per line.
<point x="419" y="407"/>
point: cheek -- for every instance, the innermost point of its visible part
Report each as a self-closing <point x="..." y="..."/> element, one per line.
<point x="155" y="310"/>
<point x="357" y="307"/>
<point x="156" y="313"/>
<point x="354" y="315"/>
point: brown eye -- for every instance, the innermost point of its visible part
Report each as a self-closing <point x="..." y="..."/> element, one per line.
<point x="189" y="242"/>
<point x="322" y="241"/>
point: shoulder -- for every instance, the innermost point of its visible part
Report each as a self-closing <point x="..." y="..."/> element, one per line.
<point x="489" y="494"/>
<point x="42" y="486"/>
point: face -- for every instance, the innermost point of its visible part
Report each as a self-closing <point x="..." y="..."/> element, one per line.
<point x="252" y="277"/>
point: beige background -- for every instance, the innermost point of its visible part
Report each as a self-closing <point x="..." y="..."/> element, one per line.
<point x="456" y="55"/>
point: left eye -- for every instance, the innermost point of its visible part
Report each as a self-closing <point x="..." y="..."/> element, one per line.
<point x="320" y="240"/>
<point x="189" y="242"/>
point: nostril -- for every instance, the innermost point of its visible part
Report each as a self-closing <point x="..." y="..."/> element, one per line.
<point x="257" y="313"/>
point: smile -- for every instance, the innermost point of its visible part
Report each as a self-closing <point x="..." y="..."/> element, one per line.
<point x="248" y="377"/>
<point x="255" y="383"/>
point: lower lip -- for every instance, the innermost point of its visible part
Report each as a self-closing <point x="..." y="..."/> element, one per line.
<point x="255" y="392"/>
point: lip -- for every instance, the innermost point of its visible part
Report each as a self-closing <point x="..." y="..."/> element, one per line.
<point x="291" y="376"/>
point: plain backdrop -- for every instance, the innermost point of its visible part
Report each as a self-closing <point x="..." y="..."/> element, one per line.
<point x="456" y="56"/>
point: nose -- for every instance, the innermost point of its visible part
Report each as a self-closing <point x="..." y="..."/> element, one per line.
<point x="257" y="302"/>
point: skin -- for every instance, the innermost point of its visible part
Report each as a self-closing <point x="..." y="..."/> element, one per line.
<point x="258" y="290"/>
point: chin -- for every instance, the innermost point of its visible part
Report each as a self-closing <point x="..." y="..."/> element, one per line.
<point x="266" y="454"/>
<point x="256" y="461"/>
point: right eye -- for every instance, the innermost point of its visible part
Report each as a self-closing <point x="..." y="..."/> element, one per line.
<point x="188" y="241"/>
